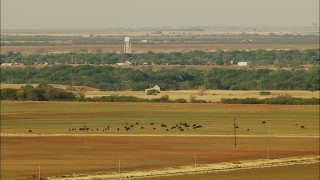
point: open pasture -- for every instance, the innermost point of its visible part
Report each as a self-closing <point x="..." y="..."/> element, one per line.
<point x="63" y="152"/>
<point x="215" y="119"/>
<point x="209" y="95"/>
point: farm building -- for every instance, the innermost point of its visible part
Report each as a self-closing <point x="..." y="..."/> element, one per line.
<point x="6" y="64"/>
<point x="127" y="63"/>
<point x="156" y="87"/>
<point x="242" y="63"/>
<point x="11" y="64"/>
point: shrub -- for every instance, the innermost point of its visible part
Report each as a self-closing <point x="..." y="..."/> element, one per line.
<point x="152" y="92"/>
<point x="265" y="93"/>
<point x="180" y="100"/>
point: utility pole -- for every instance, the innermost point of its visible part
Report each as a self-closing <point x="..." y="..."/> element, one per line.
<point x="235" y="133"/>
<point x="119" y="170"/>
<point x="269" y="141"/>
<point x="269" y="128"/>
<point x="85" y="136"/>
<point x="39" y="173"/>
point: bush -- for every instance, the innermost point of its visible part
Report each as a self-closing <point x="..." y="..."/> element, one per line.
<point x="276" y="100"/>
<point x="152" y="92"/>
<point x="265" y="93"/>
<point x="180" y="100"/>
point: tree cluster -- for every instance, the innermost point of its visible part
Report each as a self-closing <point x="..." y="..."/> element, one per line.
<point x="40" y="93"/>
<point x="286" y="100"/>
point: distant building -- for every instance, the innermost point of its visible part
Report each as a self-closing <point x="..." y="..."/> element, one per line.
<point x="127" y="63"/>
<point x="156" y="87"/>
<point x="242" y="63"/>
<point x="11" y="64"/>
<point x="6" y="64"/>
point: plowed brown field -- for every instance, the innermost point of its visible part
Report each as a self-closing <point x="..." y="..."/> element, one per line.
<point x="21" y="156"/>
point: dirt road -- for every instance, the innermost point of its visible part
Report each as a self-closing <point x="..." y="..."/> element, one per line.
<point x="197" y="169"/>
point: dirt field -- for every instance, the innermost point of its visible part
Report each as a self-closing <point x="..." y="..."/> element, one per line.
<point x="69" y="155"/>
<point x="158" y="48"/>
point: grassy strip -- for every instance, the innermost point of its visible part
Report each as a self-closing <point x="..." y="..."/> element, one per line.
<point x="277" y="100"/>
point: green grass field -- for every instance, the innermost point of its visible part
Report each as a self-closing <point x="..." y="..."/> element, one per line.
<point x="216" y="119"/>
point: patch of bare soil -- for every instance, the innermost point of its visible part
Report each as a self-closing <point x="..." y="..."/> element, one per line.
<point x="197" y="169"/>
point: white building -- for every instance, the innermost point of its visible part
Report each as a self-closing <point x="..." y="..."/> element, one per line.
<point x="242" y="63"/>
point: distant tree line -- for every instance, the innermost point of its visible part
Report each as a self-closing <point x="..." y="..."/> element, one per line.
<point x="279" y="58"/>
<point x="113" y="79"/>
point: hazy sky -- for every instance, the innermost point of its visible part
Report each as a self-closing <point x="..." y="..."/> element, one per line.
<point x="65" y="14"/>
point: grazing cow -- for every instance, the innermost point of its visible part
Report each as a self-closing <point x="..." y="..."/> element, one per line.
<point x="302" y="127"/>
<point x="248" y="129"/>
<point x="118" y="129"/>
<point x="173" y="127"/>
<point x="83" y="129"/>
<point x="163" y="125"/>
<point x="30" y="131"/>
<point x="142" y="127"/>
<point x="198" y="126"/>
<point x="69" y="129"/>
<point x="154" y="128"/>
<point x="181" y="129"/>
<point x="167" y="129"/>
<point x="263" y="122"/>
<point x="151" y="123"/>
<point x="97" y="129"/>
<point x="137" y="123"/>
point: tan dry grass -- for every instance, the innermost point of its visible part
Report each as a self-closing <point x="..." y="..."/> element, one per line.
<point x="210" y="95"/>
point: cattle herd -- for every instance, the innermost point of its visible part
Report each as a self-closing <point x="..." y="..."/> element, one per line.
<point x="138" y="126"/>
<point x="153" y="126"/>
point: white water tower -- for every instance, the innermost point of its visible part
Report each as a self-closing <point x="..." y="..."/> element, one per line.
<point x="127" y="45"/>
